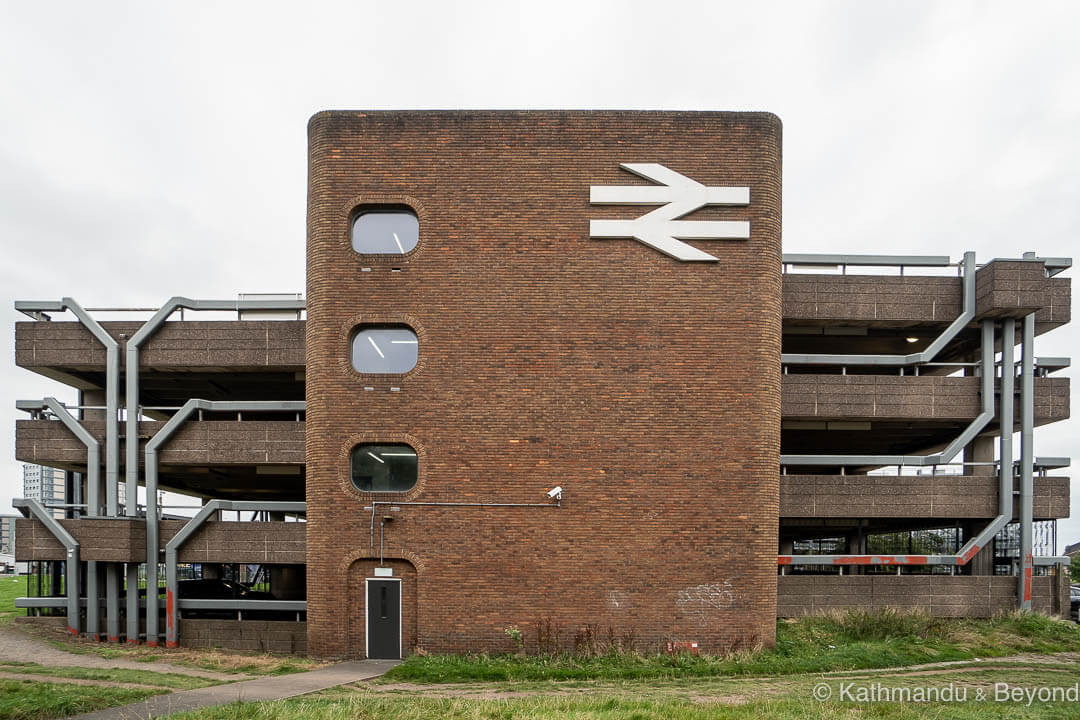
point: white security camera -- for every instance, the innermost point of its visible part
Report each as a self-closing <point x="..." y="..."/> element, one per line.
<point x="555" y="493"/>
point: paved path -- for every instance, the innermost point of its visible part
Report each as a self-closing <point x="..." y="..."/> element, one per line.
<point x="19" y="646"/>
<point x="265" y="688"/>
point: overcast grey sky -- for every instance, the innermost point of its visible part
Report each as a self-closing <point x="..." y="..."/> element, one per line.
<point x="156" y="149"/>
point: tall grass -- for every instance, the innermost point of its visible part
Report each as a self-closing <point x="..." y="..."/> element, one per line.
<point x="854" y="640"/>
<point x="26" y="700"/>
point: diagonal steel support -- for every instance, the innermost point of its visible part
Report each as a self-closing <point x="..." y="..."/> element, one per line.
<point x="93" y="502"/>
<point x="924" y="356"/>
<point x="131" y="371"/>
<point x="151" y="461"/>
<point x="71" y="565"/>
<point x="1005" y="480"/>
<point x="172" y="548"/>
<point x="961" y="441"/>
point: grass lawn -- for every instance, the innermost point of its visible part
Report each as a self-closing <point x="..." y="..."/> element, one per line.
<point x="11" y="587"/>
<point x="738" y="698"/>
<point x="851" y="641"/>
<point x="27" y="700"/>
<point x="223" y="661"/>
<point x="822" y="655"/>
<point x="173" y="681"/>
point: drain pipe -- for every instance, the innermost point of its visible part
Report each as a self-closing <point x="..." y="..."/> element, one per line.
<point x="112" y="477"/>
<point x="93" y="509"/>
<point x="131" y="371"/>
<point x="1005" y="446"/>
<point x="1027" y="449"/>
<point x="112" y="403"/>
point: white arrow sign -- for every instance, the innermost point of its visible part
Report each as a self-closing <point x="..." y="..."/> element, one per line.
<point x="679" y="196"/>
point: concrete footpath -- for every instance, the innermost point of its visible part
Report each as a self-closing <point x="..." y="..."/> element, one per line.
<point x="274" y="687"/>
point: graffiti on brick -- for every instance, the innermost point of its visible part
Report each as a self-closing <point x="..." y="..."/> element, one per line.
<point x="700" y="600"/>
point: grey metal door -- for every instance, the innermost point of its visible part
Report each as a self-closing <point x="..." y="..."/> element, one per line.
<point x="384" y="619"/>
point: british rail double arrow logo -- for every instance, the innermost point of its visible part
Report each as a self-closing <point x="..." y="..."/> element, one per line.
<point x="661" y="229"/>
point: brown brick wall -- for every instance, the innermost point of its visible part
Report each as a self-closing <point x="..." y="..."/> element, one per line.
<point x="910" y="496"/>
<point x="939" y="595"/>
<point x="548" y="358"/>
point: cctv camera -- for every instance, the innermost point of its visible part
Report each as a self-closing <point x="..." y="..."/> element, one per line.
<point x="555" y="493"/>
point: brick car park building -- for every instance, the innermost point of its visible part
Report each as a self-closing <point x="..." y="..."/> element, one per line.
<point x="552" y="370"/>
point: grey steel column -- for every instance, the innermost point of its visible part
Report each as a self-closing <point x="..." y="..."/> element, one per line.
<point x="152" y="534"/>
<point x="112" y="477"/>
<point x="112" y="601"/>
<point x="1005" y="417"/>
<point x="93" y="508"/>
<point x="132" y="605"/>
<point x="1027" y="436"/>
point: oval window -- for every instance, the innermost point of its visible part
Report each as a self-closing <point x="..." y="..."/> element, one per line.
<point x="385" y="231"/>
<point x="383" y="468"/>
<point x="384" y="350"/>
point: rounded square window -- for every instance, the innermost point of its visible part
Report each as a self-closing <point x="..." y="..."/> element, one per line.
<point x="383" y="468"/>
<point x="384" y="350"/>
<point x="385" y="230"/>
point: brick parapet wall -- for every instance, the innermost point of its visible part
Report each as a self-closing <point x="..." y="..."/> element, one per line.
<point x="911" y="496"/>
<point x="209" y="442"/>
<point x="272" y="636"/>
<point x="939" y="595"/>
<point x="907" y="397"/>
<point x="124" y="540"/>
<point x="235" y="345"/>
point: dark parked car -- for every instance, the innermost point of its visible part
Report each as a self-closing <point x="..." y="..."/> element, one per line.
<point x="220" y="589"/>
<point x="1074" y="602"/>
